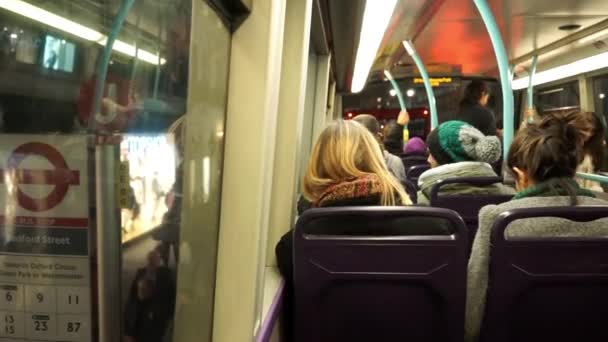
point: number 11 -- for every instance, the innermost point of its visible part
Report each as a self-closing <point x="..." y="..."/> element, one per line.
<point x="75" y="300"/>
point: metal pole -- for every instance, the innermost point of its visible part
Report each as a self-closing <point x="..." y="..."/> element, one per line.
<point x="593" y="177"/>
<point x="530" y="82"/>
<point x="102" y="64"/>
<point x="503" y="68"/>
<point x="396" y="88"/>
<point x="409" y="47"/>
<point x="108" y="243"/>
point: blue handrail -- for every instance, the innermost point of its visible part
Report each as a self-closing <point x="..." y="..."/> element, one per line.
<point x="409" y="47"/>
<point x="593" y="177"/>
<point x="503" y="67"/>
<point x="530" y="84"/>
<point x="104" y="60"/>
<point x="396" y="88"/>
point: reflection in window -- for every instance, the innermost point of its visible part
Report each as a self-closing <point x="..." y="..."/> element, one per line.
<point x="50" y="62"/>
<point x="557" y="98"/>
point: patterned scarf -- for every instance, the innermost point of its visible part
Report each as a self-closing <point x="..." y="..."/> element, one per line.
<point x="362" y="187"/>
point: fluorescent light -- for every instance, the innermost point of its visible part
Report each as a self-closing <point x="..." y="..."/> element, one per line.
<point x="578" y="67"/>
<point x="51" y="19"/>
<point x="408" y="47"/>
<point x="410" y="92"/>
<point x="388" y="75"/>
<point x="376" y="18"/>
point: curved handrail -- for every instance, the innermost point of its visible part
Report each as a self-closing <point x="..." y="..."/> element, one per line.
<point x="104" y="60"/>
<point x="502" y="60"/>
<point x="593" y="177"/>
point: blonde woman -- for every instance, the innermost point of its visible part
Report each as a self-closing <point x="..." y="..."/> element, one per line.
<point x="346" y="168"/>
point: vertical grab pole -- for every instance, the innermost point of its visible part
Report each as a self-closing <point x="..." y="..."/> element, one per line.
<point x="530" y="82"/>
<point x="503" y="68"/>
<point x="396" y="88"/>
<point x="406" y="132"/>
<point x="109" y="241"/>
<point x="108" y="225"/>
<point x="409" y="47"/>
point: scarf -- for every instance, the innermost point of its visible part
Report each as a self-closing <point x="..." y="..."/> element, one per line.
<point x="554" y="187"/>
<point x="366" y="186"/>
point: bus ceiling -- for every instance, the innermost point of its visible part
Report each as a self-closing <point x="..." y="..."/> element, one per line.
<point x="452" y="33"/>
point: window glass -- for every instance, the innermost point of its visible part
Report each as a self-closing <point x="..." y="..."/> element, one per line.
<point x="557" y="97"/>
<point x="86" y="139"/>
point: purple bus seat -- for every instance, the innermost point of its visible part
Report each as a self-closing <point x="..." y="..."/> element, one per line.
<point x="411" y="190"/>
<point x="467" y="205"/>
<point x="415" y="171"/>
<point x="547" y="289"/>
<point x="384" y="274"/>
<point x="410" y="160"/>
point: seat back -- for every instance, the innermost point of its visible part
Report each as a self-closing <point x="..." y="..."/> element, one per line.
<point x="415" y="171"/>
<point x="547" y="289"/>
<point x="411" y="190"/>
<point x="467" y="205"/>
<point x="376" y="277"/>
<point x="410" y="160"/>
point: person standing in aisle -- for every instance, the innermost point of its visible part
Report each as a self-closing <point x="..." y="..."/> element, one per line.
<point x="474" y="108"/>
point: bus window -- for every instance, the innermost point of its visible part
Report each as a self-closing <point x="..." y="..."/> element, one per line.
<point x="100" y="145"/>
<point x="557" y="98"/>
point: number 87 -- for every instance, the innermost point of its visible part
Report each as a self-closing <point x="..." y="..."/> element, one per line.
<point x="73" y="326"/>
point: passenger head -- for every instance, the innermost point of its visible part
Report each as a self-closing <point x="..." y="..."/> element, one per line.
<point x="591" y="134"/>
<point x="345" y="150"/>
<point x="456" y="141"/>
<point x="415" y="146"/>
<point x="371" y="123"/>
<point x="544" y="151"/>
<point x="477" y="92"/>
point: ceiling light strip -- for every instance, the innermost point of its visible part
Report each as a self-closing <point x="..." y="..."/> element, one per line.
<point x="578" y="67"/>
<point x="51" y="19"/>
<point x="376" y="18"/>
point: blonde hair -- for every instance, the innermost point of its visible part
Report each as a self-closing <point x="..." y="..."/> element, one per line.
<point x="347" y="150"/>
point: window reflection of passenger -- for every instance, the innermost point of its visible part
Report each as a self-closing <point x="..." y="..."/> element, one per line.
<point x="118" y="109"/>
<point x="168" y="231"/>
<point x="51" y="61"/>
<point x="151" y="301"/>
<point x="179" y="50"/>
<point x="158" y="193"/>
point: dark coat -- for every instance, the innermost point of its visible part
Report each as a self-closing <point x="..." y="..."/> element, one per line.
<point x="147" y="320"/>
<point x="393" y="141"/>
<point x="168" y="230"/>
<point x="479" y="117"/>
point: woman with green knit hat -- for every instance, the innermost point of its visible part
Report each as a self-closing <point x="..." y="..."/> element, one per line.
<point x="457" y="149"/>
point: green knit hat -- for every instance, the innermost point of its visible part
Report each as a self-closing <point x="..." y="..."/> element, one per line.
<point x="456" y="141"/>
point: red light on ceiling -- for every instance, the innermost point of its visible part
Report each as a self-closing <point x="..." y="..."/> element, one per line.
<point x="350" y="115"/>
<point x="426" y="112"/>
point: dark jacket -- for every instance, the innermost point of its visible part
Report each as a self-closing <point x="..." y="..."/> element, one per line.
<point x="359" y="192"/>
<point x="168" y="230"/>
<point x="479" y="117"/>
<point x="393" y="141"/>
<point x="147" y="319"/>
